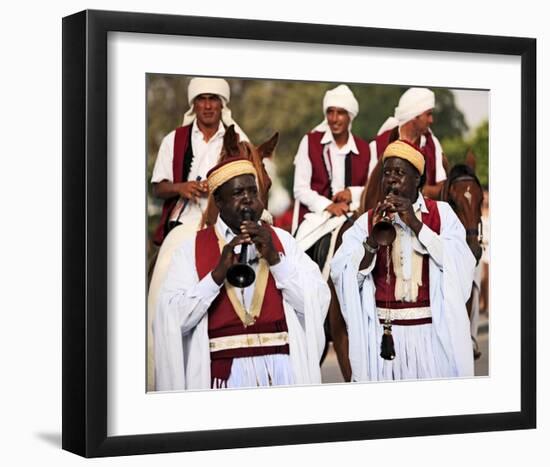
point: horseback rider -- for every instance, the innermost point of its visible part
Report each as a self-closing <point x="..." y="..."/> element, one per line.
<point x="332" y="166"/>
<point x="188" y="152"/>
<point x="411" y="122"/>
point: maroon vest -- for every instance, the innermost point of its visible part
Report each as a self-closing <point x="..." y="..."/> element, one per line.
<point x="181" y="142"/>
<point x="389" y="136"/>
<point x="222" y="317"/>
<point x="385" y="293"/>
<point x="384" y="139"/>
<point x="320" y="180"/>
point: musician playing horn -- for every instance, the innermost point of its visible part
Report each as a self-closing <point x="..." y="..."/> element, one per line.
<point x="211" y="334"/>
<point x="404" y="304"/>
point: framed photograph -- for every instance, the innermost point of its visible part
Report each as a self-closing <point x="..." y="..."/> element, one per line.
<point x="127" y="84"/>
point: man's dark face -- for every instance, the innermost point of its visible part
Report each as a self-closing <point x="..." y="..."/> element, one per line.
<point x="401" y="177"/>
<point x="208" y="108"/>
<point x="234" y="196"/>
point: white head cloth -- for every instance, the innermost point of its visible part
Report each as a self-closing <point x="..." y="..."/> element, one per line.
<point x="218" y="86"/>
<point x="412" y="103"/>
<point x="389" y="124"/>
<point x="342" y="97"/>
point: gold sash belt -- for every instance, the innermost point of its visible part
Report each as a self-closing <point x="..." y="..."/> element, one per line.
<point x="404" y="313"/>
<point x="266" y="339"/>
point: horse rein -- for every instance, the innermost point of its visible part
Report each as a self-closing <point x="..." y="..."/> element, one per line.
<point x="474" y="231"/>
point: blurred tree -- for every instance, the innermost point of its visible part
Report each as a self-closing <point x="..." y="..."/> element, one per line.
<point x="289" y="107"/>
<point x="448" y="120"/>
<point x="456" y="148"/>
<point x="378" y="102"/>
<point x="293" y="108"/>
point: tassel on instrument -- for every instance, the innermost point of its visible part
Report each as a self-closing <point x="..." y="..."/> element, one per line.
<point x="387" y="348"/>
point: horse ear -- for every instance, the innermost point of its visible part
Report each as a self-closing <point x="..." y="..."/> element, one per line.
<point x="266" y="149"/>
<point x="471" y="159"/>
<point x="231" y="141"/>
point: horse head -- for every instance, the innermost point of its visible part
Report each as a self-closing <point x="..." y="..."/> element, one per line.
<point x="234" y="147"/>
<point x="463" y="191"/>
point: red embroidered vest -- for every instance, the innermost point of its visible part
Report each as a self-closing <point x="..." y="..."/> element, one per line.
<point x="181" y="142"/>
<point x="389" y="136"/>
<point x="385" y="293"/>
<point x="222" y="318"/>
<point x="320" y="180"/>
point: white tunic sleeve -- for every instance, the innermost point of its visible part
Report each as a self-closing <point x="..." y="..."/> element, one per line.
<point x="297" y="273"/>
<point x="182" y="293"/>
<point x="163" y="165"/>
<point x="440" y="174"/>
<point x="306" y="300"/>
<point x="180" y="324"/>
<point x="356" y="192"/>
<point x="450" y="287"/>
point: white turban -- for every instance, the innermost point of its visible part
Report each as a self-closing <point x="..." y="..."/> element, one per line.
<point x="412" y="103"/>
<point x="219" y="87"/>
<point x="342" y="97"/>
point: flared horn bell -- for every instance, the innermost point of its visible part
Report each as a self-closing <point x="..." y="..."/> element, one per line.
<point x="241" y="274"/>
<point x="384" y="232"/>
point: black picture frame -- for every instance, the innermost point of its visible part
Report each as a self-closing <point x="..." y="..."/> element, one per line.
<point x="85" y="201"/>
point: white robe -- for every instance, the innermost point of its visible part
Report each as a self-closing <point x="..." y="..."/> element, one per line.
<point x="180" y="327"/>
<point x="451" y="269"/>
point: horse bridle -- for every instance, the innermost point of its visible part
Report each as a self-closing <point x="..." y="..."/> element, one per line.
<point x="474" y="231"/>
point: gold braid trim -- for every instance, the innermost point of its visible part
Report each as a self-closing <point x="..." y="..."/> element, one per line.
<point x="229" y="171"/>
<point x="262" y="275"/>
<point x="406" y="289"/>
<point x="405" y="151"/>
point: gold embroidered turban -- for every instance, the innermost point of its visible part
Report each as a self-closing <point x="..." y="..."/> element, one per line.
<point x="228" y="169"/>
<point x="406" y="151"/>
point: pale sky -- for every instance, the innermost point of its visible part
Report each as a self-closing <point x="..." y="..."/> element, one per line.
<point x="474" y="105"/>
